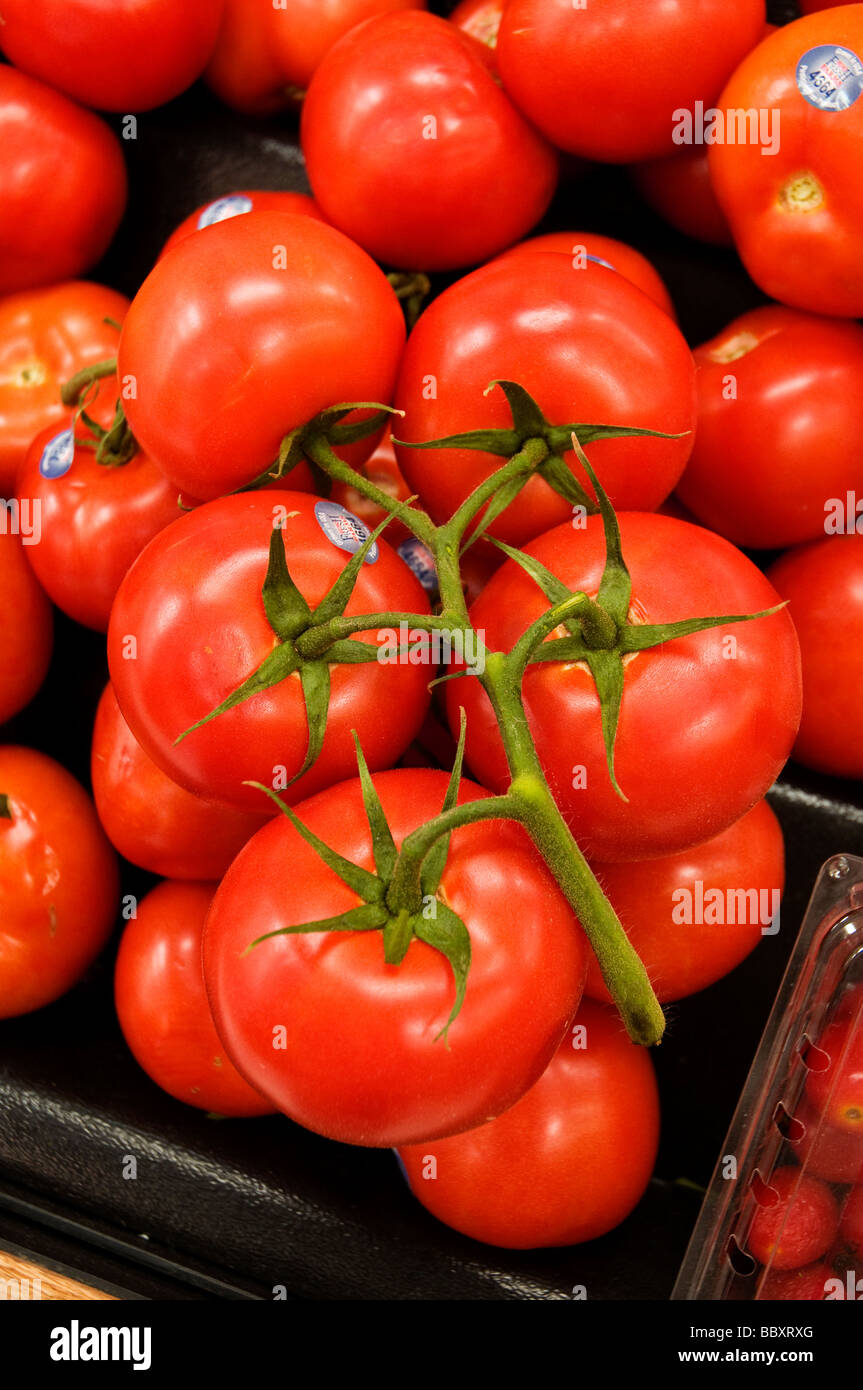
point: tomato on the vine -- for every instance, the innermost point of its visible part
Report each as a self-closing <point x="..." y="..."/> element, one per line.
<point x="162" y="1003"/>
<point x="348" y="1045"/>
<point x="64" y="184"/>
<point x="313" y="323"/>
<point x="567" y="1162"/>
<point x="706" y="720"/>
<point x="414" y="151"/>
<point x="58" y="881"/>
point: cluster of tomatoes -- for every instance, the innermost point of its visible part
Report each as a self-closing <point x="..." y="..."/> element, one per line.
<point x="205" y="475"/>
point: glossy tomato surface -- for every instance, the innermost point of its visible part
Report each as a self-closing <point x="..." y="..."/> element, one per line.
<point x="58" y="881"/>
<point x="189" y="626"/>
<point x="304" y="31"/>
<point x="64" y="184"/>
<point x="586" y="344"/>
<point x="350" y="1046"/>
<point x="310" y="323"/>
<point x="706" y="721"/>
<point x="162" y="1003"/>
<point x="567" y="1163"/>
<point x="152" y="821"/>
<point x="628" y="262"/>
<point x="230" y="205"/>
<point x="414" y="151"/>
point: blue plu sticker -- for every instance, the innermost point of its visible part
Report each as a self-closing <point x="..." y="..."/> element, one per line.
<point x="57" y="455"/>
<point x="344" y="529"/>
<point x="830" y="77"/>
<point x="231" y="206"/>
<point x="419" y="558"/>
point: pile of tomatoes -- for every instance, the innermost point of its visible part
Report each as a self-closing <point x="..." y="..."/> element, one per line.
<point x="197" y="474"/>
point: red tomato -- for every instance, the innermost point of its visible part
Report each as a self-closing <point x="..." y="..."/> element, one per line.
<point x="413" y="149"/>
<point x="851" y="1225"/>
<point x="152" y="821"/>
<point x="46" y="336"/>
<point x="64" y="185"/>
<point x="693" y="916"/>
<point x="706" y="721"/>
<point x="188" y="627"/>
<point x="585" y="344"/>
<point x="798" y="1226"/>
<point x="567" y="1162"/>
<point x="355" y="1054"/>
<point x="58" y="882"/>
<point x="235" y="205"/>
<point x="304" y="31"/>
<point x="678" y="187"/>
<point x="780" y="393"/>
<point x="789" y="1285"/>
<point x="836" y="1091"/>
<point x="824" y="585"/>
<point x="26" y="620"/>
<point x="243" y="69"/>
<point x="624" y="259"/>
<point x="126" y="56"/>
<point x="313" y="323"/>
<point x="96" y="519"/>
<point x="833" y="1154"/>
<point x="608" y="81"/>
<point x="795" y="213"/>
<point x="162" y="1003"/>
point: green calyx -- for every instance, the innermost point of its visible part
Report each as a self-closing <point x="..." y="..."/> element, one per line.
<point x="327" y="429"/>
<point x="115" y="446"/>
<point x="402" y="898"/>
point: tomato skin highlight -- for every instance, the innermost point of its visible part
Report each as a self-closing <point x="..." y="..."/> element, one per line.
<point x="659" y="904"/>
<point x="312" y="323"/>
<point x="823" y="583"/>
<point x="701" y="736"/>
<point x="192" y="603"/>
<point x="59" y="884"/>
<point x="26" y="627"/>
<point x="567" y="1163"/>
<point x="767" y="459"/>
<point x="357" y="1056"/>
<point x="128" y="56"/>
<point x="795" y="214"/>
<point x="414" y="151"/>
<point x="162" y="1003"/>
<point x="585" y="343"/>
<point x="46" y="336"/>
<point x="149" y="819"/>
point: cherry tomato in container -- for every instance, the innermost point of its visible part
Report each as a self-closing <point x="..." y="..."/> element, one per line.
<point x="797" y="1224"/>
<point x="628" y="262"/>
<point x="235" y="205"/>
<point x="64" y="184"/>
<point x="59" y="886"/>
<point x="585" y="344"/>
<point x="830" y="1153"/>
<point x="128" y="56"/>
<point x="46" y="336"/>
<point x="851" y="1224"/>
<point x="26" y="620"/>
<point x="567" y="1163"/>
<point x="414" y="151"/>
<point x="780" y="393"/>
<point x="189" y="627"/>
<point x="609" y="81"/>
<point x="706" y="720"/>
<point x="313" y="324"/>
<point x="823" y="583"/>
<point x="694" y="916"/>
<point x="836" y="1090"/>
<point x="350" y="1046"/>
<point x="785" y="183"/>
<point x="152" y="821"/>
<point x="95" y="519"/>
<point x="162" y="1003"/>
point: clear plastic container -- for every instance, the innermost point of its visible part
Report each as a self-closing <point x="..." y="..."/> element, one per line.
<point x="783" y="1216"/>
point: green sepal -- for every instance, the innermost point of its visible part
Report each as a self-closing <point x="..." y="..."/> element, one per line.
<point x="554" y="589"/>
<point x="527" y="419"/>
<point x="383" y="844"/>
<point x="563" y="481"/>
<point x="336" y="599"/>
<point x="398" y="935"/>
<point x="315" y="681"/>
<point x="280" y="663"/>
<point x="287" y="611"/>
<point x="640" y="637"/>
<point x="435" y="861"/>
<point x="349" y="652"/>
<point x="606" y="669"/>
<point x="502" y="499"/>
<point x="615" y="588"/>
<point x="118" y="445"/>
<point x="369" y="917"/>
<point x="559" y="437"/>
<point x="366" y="885"/>
<point x="569" y="649"/>
<point x="447" y="933"/>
